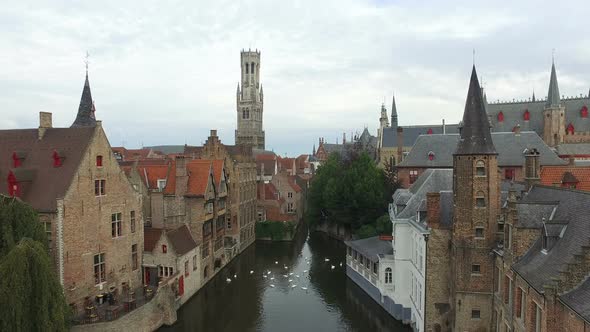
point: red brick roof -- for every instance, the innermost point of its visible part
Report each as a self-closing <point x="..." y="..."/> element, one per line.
<point x="558" y="175"/>
<point x="217" y="165"/>
<point x="198" y="172"/>
<point x="274" y="214"/>
<point x="150" y="174"/>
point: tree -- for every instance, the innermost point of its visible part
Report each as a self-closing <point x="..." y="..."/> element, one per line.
<point x="31" y="297"/>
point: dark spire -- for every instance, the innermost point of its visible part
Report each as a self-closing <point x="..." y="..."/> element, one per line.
<point x="553" y="94"/>
<point x="85" y="117"/>
<point x="533" y="95"/>
<point x="475" y="131"/>
<point x="393" y="113"/>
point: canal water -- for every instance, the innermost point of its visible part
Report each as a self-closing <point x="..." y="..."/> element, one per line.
<point x="278" y="302"/>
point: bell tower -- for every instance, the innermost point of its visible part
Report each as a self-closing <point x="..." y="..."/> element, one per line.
<point x="250" y="102"/>
<point x="477" y="199"/>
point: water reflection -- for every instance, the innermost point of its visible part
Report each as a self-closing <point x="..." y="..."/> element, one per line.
<point x="249" y="303"/>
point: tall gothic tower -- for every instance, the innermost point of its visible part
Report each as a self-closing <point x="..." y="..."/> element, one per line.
<point x="250" y="102"/>
<point x="476" y="199"/>
<point x="553" y="113"/>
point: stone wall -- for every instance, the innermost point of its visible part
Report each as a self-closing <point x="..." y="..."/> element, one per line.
<point x="161" y="310"/>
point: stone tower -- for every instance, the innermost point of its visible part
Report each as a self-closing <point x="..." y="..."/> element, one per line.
<point x="383" y="123"/>
<point x="553" y="114"/>
<point x="476" y="199"/>
<point x="250" y="102"/>
<point x="85" y="116"/>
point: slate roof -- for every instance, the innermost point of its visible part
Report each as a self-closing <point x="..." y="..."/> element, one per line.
<point x="181" y="240"/>
<point x="371" y="247"/>
<point x="447" y="208"/>
<point x="510" y="152"/>
<point x="432" y="180"/>
<point x="475" y="130"/>
<point x="85" y="116"/>
<point x="579" y="299"/>
<point x="531" y="214"/>
<point x="193" y="152"/>
<point x="539" y="268"/>
<point x="44" y="183"/>
<point x="573" y="149"/>
<point x="268" y="161"/>
<point x="411" y="133"/>
<point x="558" y="175"/>
<point x="553" y="98"/>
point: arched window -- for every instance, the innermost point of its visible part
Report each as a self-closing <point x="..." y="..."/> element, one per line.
<point x="501" y="117"/>
<point x="429" y="132"/>
<point x="527" y="115"/>
<point x="584" y="112"/>
<point x="480" y="168"/>
<point x="252" y="68"/>
<point x="247" y="69"/>
<point x="430" y="155"/>
<point x="570" y="129"/>
<point x="388" y="276"/>
<point x="480" y="200"/>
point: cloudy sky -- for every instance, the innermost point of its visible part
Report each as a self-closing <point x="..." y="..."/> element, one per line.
<point x="166" y="72"/>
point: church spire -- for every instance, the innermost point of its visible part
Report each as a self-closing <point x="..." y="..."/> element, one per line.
<point x="553" y="94"/>
<point x="534" y="95"/>
<point x="85" y="117"/>
<point x="475" y="131"/>
<point x="393" y="113"/>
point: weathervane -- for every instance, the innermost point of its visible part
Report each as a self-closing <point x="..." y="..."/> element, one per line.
<point x="86" y="61"/>
<point x="474" y="56"/>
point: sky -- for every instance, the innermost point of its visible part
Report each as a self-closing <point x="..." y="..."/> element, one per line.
<point x="166" y="72"/>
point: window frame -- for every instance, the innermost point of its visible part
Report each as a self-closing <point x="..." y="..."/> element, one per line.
<point x="100" y="187"/>
<point x="132" y="221"/>
<point x="134" y="257"/>
<point x="99" y="268"/>
<point x="116" y="225"/>
<point x="99" y="161"/>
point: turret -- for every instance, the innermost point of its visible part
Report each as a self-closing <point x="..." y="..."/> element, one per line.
<point x="85" y="116"/>
<point x="394" y="123"/>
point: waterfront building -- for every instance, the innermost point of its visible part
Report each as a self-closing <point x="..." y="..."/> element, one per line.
<point x="435" y="151"/>
<point x="92" y="215"/>
<point x="172" y="254"/>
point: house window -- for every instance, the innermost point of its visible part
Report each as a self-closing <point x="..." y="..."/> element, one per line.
<point x="388" y="275"/>
<point x="508" y="243"/>
<point x="98" y="161"/>
<point x="431" y="156"/>
<point x="498" y="283"/>
<point x="99" y="269"/>
<point x="527" y="115"/>
<point x="132" y="221"/>
<point x="475" y="269"/>
<point x="584" y="111"/>
<point x="354" y="254"/>
<point x="205" y="250"/>
<point x="480" y="199"/>
<point x="207" y="228"/>
<point x="520" y="301"/>
<point x="47" y="226"/>
<point x="209" y="207"/>
<point x="367" y="263"/>
<point x="161" y="184"/>
<point x="362" y="260"/>
<point x="500" y="117"/>
<point x="116" y="224"/>
<point x="99" y="187"/>
<point x="413" y="175"/>
<point x="164" y="249"/>
<point x="228" y="222"/>
<point x="290" y="207"/>
<point x="570" y="129"/>
<point x="186" y="269"/>
<point x="479" y="232"/>
<point x="537" y="317"/>
<point x="134" y="261"/>
<point x="289" y="195"/>
<point x="194" y="262"/>
<point x="375" y="267"/>
<point x="165" y="271"/>
<point x="475" y="314"/>
<point x="480" y="168"/>
<point x="259" y="215"/>
<point x="509" y="174"/>
<point x="206" y="272"/>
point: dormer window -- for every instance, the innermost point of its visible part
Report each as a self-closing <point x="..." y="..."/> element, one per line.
<point x="57" y="159"/>
<point x="164" y="249"/>
<point x="501" y="117"/>
<point x="570" y="129"/>
<point x="480" y="168"/>
<point x="17" y="160"/>
<point x="98" y="161"/>
<point x="429" y="132"/>
<point x="431" y="156"/>
<point x="527" y="115"/>
<point x="161" y="184"/>
<point x="584" y="111"/>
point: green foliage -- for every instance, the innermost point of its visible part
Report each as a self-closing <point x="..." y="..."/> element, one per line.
<point x="383" y="225"/>
<point x="31" y="297"/>
<point x="350" y="192"/>
<point x="275" y="230"/>
<point x="366" y="231"/>
<point x="18" y="220"/>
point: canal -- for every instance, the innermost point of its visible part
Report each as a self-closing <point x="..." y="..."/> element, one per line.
<point x="292" y="288"/>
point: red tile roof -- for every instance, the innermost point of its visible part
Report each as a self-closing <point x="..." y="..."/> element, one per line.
<point x="199" y="172"/>
<point x="150" y="174"/>
<point x="274" y="214"/>
<point x="554" y="175"/>
<point x="217" y="166"/>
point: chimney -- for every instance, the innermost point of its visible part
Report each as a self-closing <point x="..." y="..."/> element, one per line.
<point x="571" y="161"/>
<point x="517" y="129"/>
<point x="400" y="144"/>
<point x="433" y="209"/>
<point x="444" y="128"/>
<point x="45" y="122"/>
<point x="213" y="133"/>
<point x="532" y="168"/>
<point x="181" y="176"/>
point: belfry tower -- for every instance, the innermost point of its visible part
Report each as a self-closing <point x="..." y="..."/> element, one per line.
<point x="250" y="102"/>
<point x="477" y="203"/>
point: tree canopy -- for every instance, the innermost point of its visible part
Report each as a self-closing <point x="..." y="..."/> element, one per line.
<point x="350" y="191"/>
<point x="31" y="296"/>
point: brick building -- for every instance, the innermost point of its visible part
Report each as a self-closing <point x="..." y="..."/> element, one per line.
<point x="92" y="215"/>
